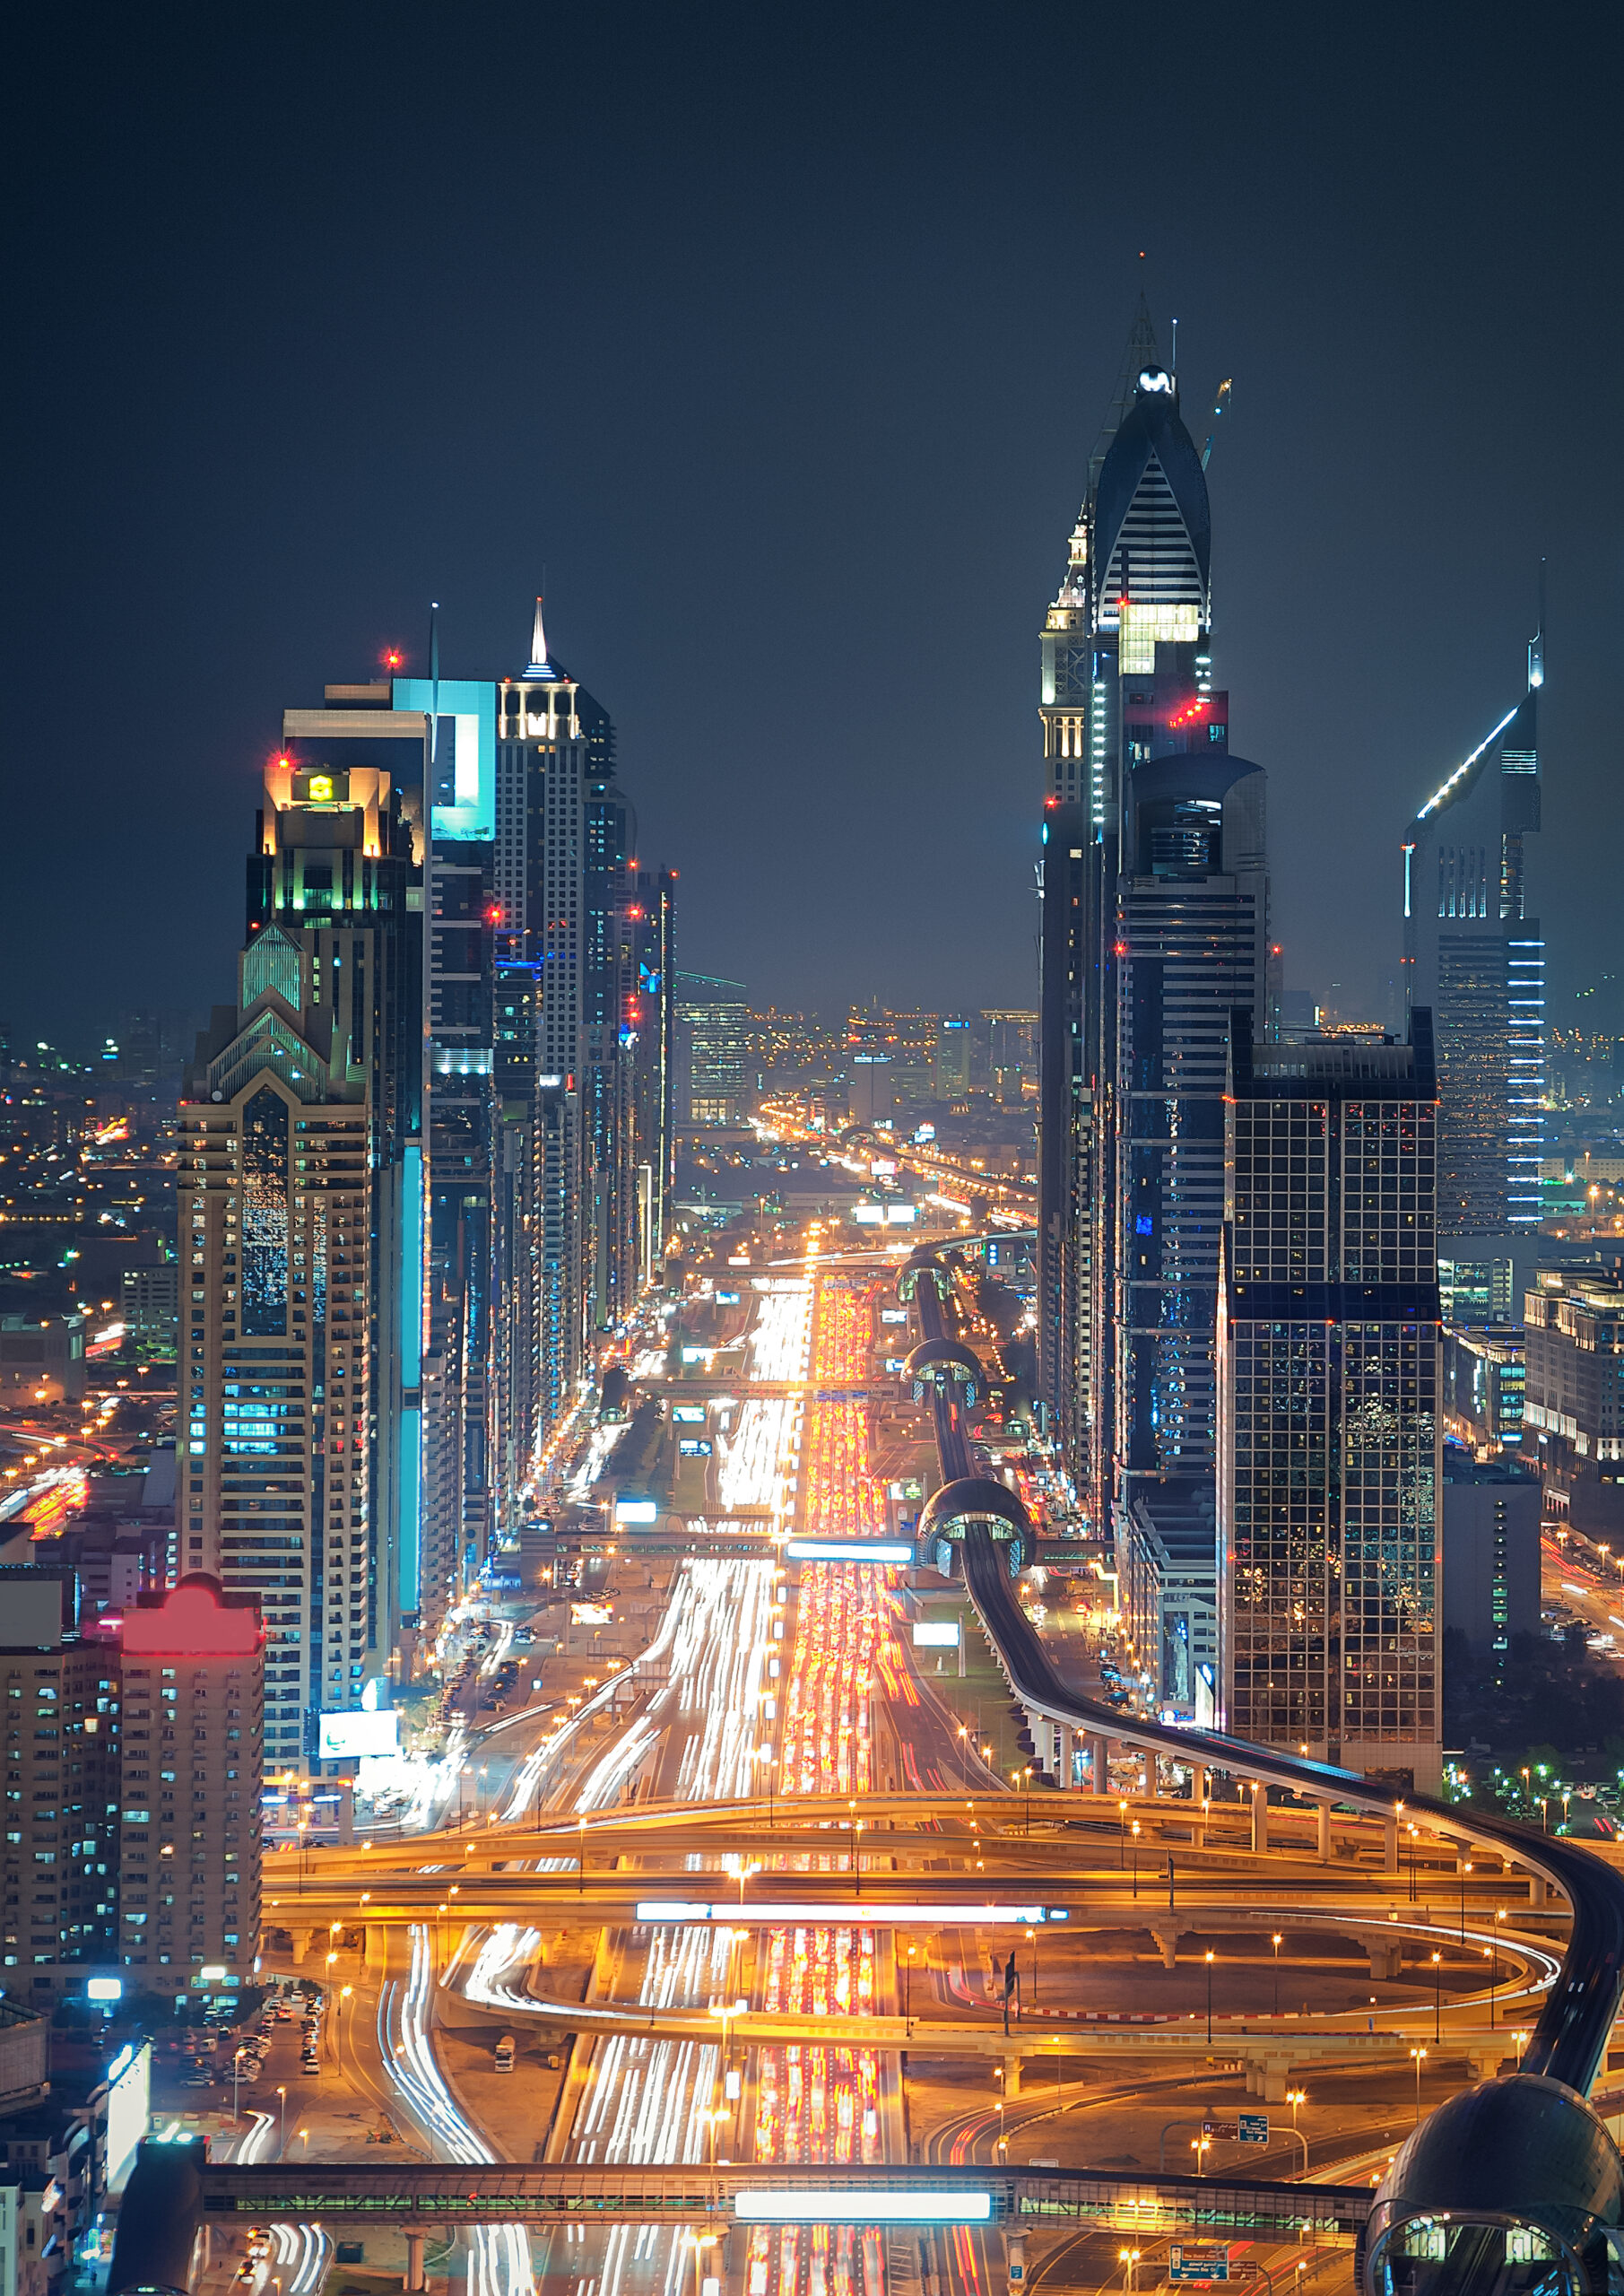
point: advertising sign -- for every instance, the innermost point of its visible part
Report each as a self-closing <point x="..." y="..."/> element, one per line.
<point x="354" y="1734"/>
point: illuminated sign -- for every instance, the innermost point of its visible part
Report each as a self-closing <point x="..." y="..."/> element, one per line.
<point x="354" y="1734"/>
<point x="1187" y="2261"/>
<point x="694" y="1447"/>
<point x="128" y="2105"/>
<point x="886" y="1550"/>
<point x="780" y="2204"/>
<point x="462" y="767"/>
<point x="590" y="1613"/>
<point x="104" y="1988"/>
<point x="688" y="1414"/>
<point x="935" y="1634"/>
<point x="636" y="1510"/>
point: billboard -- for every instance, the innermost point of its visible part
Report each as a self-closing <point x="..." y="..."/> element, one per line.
<point x="354" y="1734"/>
<point x="935" y="1634"/>
<point x="636" y="1511"/>
<point x="129" y="2088"/>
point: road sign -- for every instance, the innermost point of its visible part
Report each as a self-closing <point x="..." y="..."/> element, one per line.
<point x="1252" y="2128"/>
<point x="1188" y="2262"/>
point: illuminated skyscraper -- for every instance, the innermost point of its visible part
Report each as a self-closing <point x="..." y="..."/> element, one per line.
<point x="1330" y="1436"/>
<point x="1476" y="958"/>
<point x="1125" y="680"/>
<point x="275" y="1216"/>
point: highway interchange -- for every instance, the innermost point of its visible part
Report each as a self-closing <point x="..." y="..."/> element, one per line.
<point x="680" y="1893"/>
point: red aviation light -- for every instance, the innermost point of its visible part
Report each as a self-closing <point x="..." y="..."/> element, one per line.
<point x="393" y="659"/>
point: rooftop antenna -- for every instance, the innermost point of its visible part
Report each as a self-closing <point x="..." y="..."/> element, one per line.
<point x="1141" y="353"/>
<point x="1173" y="367"/>
<point x="433" y="691"/>
<point x="1536" y="644"/>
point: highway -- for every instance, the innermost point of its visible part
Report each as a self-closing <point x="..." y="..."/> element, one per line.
<point x="734" y="1828"/>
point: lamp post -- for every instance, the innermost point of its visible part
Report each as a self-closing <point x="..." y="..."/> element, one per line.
<point x="1128" y="2258"/>
<point x="1122" y="1846"/>
<point x="1277" y="1941"/>
<point x="1210" y="1961"/>
<point x="1031" y="1939"/>
<point x="1199" y="2145"/>
<point x="1437" y="1999"/>
<point x="1295" y="2097"/>
<point x="1029" y="1797"/>
<point x="964" y="1748"/>
<point x="580" y="1878"/>
<point x="236" y="2078"/>
<point x="907" y="1971"/>
<point x="281" y="2123"/>
<point x="1465" y="1869"/>
<point x="1420" y="2058"/>
<point x="1522" y="2041"/>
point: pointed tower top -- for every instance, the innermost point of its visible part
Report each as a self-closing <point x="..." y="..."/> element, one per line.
<point x="539" y="663"/>
<point x="1142" y="352"/>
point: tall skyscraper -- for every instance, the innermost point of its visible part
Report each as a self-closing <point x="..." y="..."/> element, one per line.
<point x="1126" y="685"/>
<point x="1476" y="958"/>
<point x="713" y="1020"/>
<point x="275" y="1214"/>
<point x="1330" y="1438"/>
<point x="1192" y="944"/>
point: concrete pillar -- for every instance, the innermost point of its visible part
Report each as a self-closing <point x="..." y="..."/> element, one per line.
<point x="377" y="1947"/>
<point x="1100" y="1764"/>
<point x="1322" y="1847"/>
<point x="1066" y="1738"/>
<point x="1390" y="1842"/>
<point x="414" y="2281"/>
<point x="1538" y="1890"/>
<point x="1260" y="1817"/>
<point x="1011" y="2077"/>
<point x="1201" y="1784"/>
<point x="304" y="1946"/>
<point x="1166" y="1934"/>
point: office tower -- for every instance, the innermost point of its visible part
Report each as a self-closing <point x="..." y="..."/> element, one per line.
<point x="336" y="873"/>
<point x="61" y="1782"/>
<point x="1329" y="1432"/>
<point x="193" y="1666"/>
<point x="955" y="1064"/>
<point x="1192" y="942"/>
<point x="1126" y="665"/>
<point x="1476" y="958"/>
<point x="713" y="1023"/>
<point x="276" y="1375"/>
<point x="540" y="789"/>
<point x="608" y="1065"/>
<point x="516" y="1310"/>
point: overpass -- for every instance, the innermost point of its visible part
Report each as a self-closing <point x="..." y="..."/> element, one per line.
<point x="1521" y="2153"/>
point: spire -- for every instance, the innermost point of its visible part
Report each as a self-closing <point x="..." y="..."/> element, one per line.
<point x="1141" y="353"/>
<point x="539" y="664"/>
<point x="1536" y="644"/>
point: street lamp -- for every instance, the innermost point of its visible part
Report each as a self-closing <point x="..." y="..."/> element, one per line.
<point x="282" y="2124"/>
<point x="1031" y="1939"/>
<point x="1277" y="1941"/>
<point x="1465" y="1869"/>
<point x="1122" y="1846"/>
<point x="964" y="1747"/>
<point x="907" y="1971"/>
<point x="580" y="1883"/>
<point x="1029" y="1797"/>
<point x="1438" y="1997"/>
<point x="236" y="2078"/>
<point x="1522" y="2041"/>
<point x="1210" y="1961"/>
<point x="1128" y="2258"/>
<point x="1199" y="2145"/>
<point x="1419" y="2055"/>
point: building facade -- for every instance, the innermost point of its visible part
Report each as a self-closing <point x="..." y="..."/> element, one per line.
<point x="277" y="1216"/>
<point x="713" y="1021"/>
<point x="1475" y="957"/>
<point x="1329" y="1420"/>
<point x="1126" y="678"/>
<point x="193" y="1668"/>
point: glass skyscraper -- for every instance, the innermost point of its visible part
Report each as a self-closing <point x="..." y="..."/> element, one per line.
<point x="1476" y="958"/>
<point x="1330" y="1439"/>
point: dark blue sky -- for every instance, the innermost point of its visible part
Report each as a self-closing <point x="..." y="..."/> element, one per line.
<point x="781" y="338"/>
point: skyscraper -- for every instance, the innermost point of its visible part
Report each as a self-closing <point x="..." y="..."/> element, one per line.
<point x="1192" y="942"/>
<point x="275" y="1216"/>
<point x="1330" y="1438"/>
<point x="1475" y="957"/>
<point x="1125" y="681"/>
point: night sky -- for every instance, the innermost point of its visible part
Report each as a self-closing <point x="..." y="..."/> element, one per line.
<point x="780" y="338"/>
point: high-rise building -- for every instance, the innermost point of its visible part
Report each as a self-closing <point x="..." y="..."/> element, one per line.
<point x="276" y="1224"/>
<point x="714" y="1021"/>
<point x="1192" y="944"/>
<point x="1125" y="679"/>
<point x="1476" y="958"/>
<point x="192" y="1668"/>
<point x="62" y="1820"/>
<point x="1329" y="1423"/>
<point x="337" y="873"/>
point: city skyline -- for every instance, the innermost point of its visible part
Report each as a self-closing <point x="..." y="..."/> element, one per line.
<point x="868" y="430"/>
